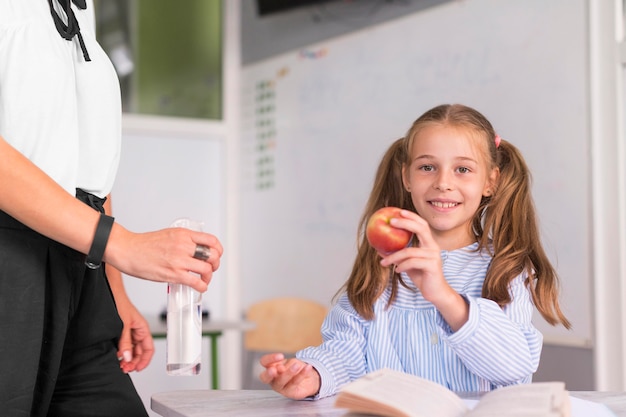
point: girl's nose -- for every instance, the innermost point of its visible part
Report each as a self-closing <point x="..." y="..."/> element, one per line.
<point x="442" y="183"/>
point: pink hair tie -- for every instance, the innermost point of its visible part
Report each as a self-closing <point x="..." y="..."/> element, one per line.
<point x="497" y="140"/>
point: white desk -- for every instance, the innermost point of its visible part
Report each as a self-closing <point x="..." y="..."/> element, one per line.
<point x="212" y="329"/>
<point x="267" y="403"/>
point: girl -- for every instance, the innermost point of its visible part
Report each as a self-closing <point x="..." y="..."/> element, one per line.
<point x="455" y="306"/>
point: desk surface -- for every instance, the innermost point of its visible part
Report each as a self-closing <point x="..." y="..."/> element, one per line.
<point x="267" y="403"/>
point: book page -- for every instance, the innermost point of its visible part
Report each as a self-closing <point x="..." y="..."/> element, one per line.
<point x="585" y="408"/>
<point x="396" y="394"/>
<point x="580" y="407"/>
<point x="540" y="399"/>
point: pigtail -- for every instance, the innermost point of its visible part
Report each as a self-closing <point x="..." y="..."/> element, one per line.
<point x="511" y="220"/>
<point x="368" y="279"/>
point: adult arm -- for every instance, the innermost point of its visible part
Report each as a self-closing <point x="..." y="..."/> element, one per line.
<point x="33" y="198"/>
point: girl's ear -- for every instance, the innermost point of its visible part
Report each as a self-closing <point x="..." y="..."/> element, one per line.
<point x="492" y="183"/>
<point x="405" y="179"/>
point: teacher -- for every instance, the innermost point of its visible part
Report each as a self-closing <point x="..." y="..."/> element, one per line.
<point x="60" y="134"/>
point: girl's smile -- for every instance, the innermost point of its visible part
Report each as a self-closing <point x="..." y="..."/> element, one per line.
<point x="443" y="204"/>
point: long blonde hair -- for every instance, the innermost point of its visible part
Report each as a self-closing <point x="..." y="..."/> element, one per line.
<point x="505" y="221"/>
<point x="368" y="278"/>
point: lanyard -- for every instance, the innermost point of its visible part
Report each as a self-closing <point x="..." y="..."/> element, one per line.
<point x="71" y="29"/>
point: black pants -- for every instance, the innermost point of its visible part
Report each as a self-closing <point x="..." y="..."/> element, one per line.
<point x="58" y="332"/>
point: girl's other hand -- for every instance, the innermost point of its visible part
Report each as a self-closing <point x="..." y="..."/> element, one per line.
<point x="290" y="377"/>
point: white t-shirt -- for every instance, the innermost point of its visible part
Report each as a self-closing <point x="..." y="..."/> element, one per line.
<point x="61" y="112"/>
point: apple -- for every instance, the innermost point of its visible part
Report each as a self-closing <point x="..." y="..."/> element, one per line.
<point x="382" y="235"/>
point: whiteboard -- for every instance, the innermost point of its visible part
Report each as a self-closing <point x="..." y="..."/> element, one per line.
<point x="317" y="121"/>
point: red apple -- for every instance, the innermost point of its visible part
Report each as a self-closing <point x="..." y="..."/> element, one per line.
<point x="383" y="236"/>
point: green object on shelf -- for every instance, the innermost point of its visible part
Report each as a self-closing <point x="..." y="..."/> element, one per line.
<point x="178" y="50"/>
<point x="168" y="55"/>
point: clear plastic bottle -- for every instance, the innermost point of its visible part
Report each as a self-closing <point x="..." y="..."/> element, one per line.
<point x="184" y="322"/>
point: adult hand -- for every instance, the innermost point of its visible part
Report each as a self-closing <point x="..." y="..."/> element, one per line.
<point x="165" y="255"/>
<point x="136" y="346"/>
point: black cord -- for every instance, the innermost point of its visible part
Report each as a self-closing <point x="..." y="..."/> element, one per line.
<point x="72" y="29"/>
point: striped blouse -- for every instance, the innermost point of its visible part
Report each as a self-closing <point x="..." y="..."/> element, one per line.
<point x="496" y="347"/>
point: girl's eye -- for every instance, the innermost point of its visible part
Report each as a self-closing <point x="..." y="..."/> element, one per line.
<point x="426" y="168"/>
<point x="463" y="170"/>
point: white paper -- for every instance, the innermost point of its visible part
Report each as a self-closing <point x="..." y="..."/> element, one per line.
<point x="580" y="408"/>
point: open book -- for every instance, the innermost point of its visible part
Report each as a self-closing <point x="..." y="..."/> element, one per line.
<point x="396" y="394"/>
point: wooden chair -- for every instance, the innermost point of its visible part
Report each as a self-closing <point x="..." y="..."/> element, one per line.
<point x="285" y="325"/>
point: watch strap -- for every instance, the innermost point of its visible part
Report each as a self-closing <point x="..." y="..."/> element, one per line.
<point x="100" y="239"/>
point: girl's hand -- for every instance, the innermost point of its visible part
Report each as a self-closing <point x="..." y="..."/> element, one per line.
<point x="421" y="263"/>
<point x="290" y="377"/>
<point x="424" y="266"/>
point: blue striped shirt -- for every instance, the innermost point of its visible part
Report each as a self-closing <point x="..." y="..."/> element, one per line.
<point x="496" y="347"/>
